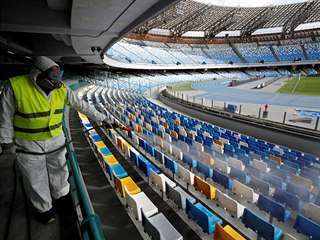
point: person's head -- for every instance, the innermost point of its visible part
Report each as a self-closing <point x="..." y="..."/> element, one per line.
<point x="48" y="73"/>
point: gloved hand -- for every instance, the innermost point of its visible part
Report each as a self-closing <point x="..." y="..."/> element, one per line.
<point x="108" y="125"/>
<point x="8" y="154"/>
<point x="127" y="129"/>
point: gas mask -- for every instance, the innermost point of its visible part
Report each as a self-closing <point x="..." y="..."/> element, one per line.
<point x="52" y="79"/>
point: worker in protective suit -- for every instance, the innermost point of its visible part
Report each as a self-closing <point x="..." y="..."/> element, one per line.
<point x="31" y="109"/>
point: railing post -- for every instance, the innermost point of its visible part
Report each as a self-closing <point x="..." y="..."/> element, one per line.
<point x="284" y="117"/>
<point x="224" y="105"/>
<point x="259" y="113"/>
<point x="194" y="99"/>
<point x="187" y="98"/>
<point x="240" y="109"/>
<point x="317" y="123"/>
<point x="202" y="101"/>
<point x="212" y="103"/>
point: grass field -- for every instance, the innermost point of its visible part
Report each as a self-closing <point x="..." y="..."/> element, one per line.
<point x="306" y="86"/>
<point x="183" y="87"/>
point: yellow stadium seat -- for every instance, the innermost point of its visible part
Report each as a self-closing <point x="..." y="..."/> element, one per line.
<point x="166" y="125"/>
<point x="131" y="186"/>
<point x="204" y="187"/>
<point x="226" y="233"/>
<point x="276" y="159"/>
<point x="218" y="142"/>
<point x="100" y="144"/>
<point x="174" y="134"/>
<point x="140" y="129"/>
<point x="120" y="143"/>
<point x="111" y="160"/>
<point x="81" y="115"/>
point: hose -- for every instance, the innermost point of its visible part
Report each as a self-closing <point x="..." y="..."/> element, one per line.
<point x="6" y="236"/>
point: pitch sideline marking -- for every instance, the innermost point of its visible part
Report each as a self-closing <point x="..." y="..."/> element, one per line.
<point x="296" y="85"/>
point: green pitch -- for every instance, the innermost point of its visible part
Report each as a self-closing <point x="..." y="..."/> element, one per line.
<point x="183" y="87"/>
<point x="305" y="86"/>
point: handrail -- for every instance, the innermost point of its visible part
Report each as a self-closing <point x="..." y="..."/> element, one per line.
<point x="91" y="224"/>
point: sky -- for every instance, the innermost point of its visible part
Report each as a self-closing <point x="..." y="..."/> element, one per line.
<point x="249" y="3"/>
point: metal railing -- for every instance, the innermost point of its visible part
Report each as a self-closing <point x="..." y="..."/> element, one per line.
<point x="91" y="223"/>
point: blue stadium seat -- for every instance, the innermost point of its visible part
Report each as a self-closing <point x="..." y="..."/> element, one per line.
<point x="239" y="175"/>
<point x="288" y="199"/>
<point x="299" y="191"/>
<point x="204" y="169"/>
<point x="307" y="227"/>
<point x="189" y="160"/>
<point x="145" y="166"/>
<point x="202" y="216"/>
<point x="170" y="164"/>
<point x="260" y="226"/>
<point x="273" y="208"/>
<point x="222" y="179"/>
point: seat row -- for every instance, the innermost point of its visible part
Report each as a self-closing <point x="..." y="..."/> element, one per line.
<point x="149" y="150"/>
<point x="155" y="223"/>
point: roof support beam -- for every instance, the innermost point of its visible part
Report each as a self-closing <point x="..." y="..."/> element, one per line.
<point x="256" y="22"/>
<point x="298" y="18"/>
<point x="222" y="24"/>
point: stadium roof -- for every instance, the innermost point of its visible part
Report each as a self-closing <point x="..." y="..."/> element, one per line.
<point x="249" y="3"/>
<point x="194" y="16"/>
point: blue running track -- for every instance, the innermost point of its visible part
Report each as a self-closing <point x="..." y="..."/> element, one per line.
<point x="218" y="90"/>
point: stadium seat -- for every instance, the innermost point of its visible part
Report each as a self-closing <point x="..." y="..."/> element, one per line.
<point x="229" y="204"/>
<point x="273" y="208"/>
<point x="202" y="216"/>
<point x="178" y="195"/>
<point x="222" y="179"/>
<point x="244" y="191"/>
<point x="204" y="187"/>
<point x="159" y="228"/>
<point x="307" y="227"/>
<point x="226" y="233"/>
<point x="288" y="199"/>
<point x="140" y="201"/>
<point x="260" y="226"/>
<point x="132" y="187"/>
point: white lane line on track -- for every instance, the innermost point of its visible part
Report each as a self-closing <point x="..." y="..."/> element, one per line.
<point x="296" y="85"/>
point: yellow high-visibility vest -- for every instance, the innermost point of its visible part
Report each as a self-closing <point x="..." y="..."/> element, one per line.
<point x="36" y="117"/>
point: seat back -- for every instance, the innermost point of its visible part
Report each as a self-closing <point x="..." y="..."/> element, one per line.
<point x="273" y="208"/>
<point x="236" y="163"/>
<point x="299" y="191"/>
<point x="262" y="166"/>
<point x="307" y="227"/>
<point x="244" y="191"/>
<point x="260" y="185"/>
<point x="306" y="183"/>
<point x="189" y="160"/>
<point x="167" y="146"/>
<point x="204" y="169"/>
<point x="206" y="158"/>
<point x="204" y="187"/>
<point x="171" y="164"/>
<point x="239" y="175"/>
<point x="221" y="178"/>
<point x="177" y="152"/>
<point x="226" y="233"/>
<point x="257" y="224"/>
<point x="231" y="205"/>
<point x="221" y="166"/>
<point x="159" y="156"/>
<point x="186" y="174"/>
<point x="287" y="198"/>
<point x="273" y="180"/>
<point x="157" y="180"/>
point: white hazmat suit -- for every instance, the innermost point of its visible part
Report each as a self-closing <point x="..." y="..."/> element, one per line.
<point x="44" y="176"/>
